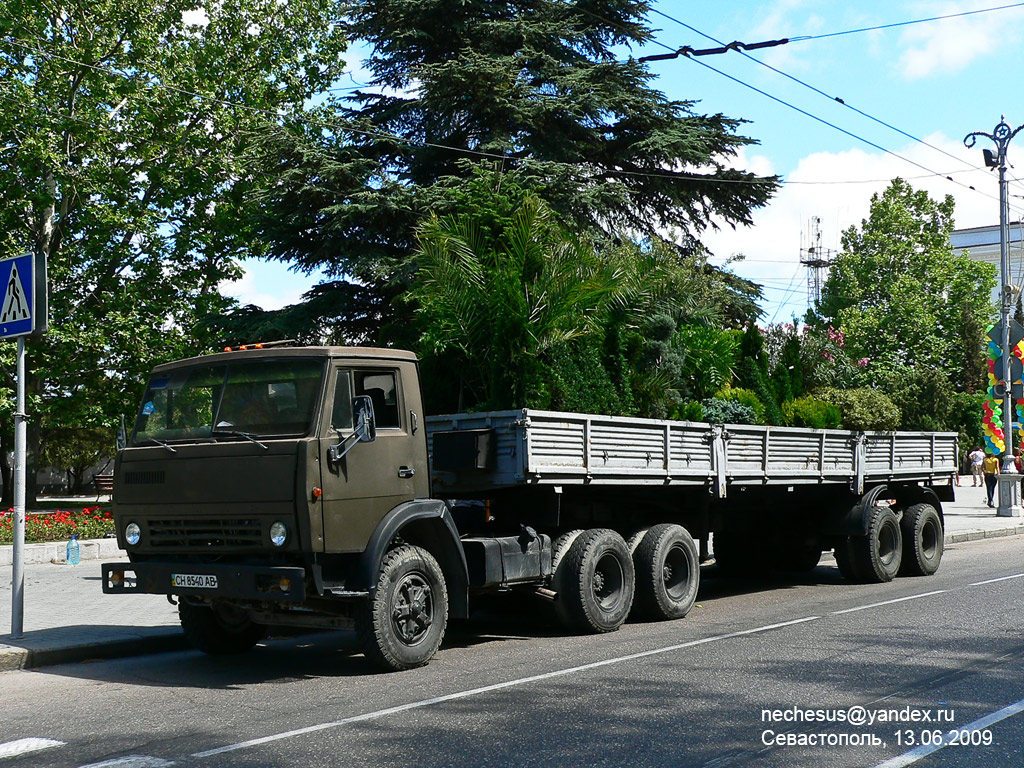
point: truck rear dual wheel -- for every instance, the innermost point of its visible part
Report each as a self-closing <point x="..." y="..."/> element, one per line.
<point x="219" y="630"/>
<point x="667" y="573"/>
<point x="922" y="540"/>
<point x="594" y="579"/>
<point x="876" y="557"/>
<point x="403" y="624"/>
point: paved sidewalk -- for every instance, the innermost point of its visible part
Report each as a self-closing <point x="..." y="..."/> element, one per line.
<point x="68" y="618"/>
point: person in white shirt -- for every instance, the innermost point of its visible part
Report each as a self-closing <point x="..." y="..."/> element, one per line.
<point x="977" y="456"/>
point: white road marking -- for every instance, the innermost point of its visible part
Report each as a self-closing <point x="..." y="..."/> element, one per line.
<point x="131" y="761"/>
<point x="911" y="757"/>
<point x="1001" y="578"/>
<point x="889" y="602"/>
<point x="489" y="688"/>
<point x="25" y="746"/>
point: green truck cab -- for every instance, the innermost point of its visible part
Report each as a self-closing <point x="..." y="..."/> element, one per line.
<point x="285" y="486"/>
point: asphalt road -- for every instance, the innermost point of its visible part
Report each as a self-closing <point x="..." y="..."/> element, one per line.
<point x="757" y="675"/>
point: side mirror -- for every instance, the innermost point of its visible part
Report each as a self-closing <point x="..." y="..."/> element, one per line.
<point x="364" y="429"/>
<point x="362" y="416"/>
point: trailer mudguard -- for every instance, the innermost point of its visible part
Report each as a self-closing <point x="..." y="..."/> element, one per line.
<point x="422" y="522"/>
<point x="854" y="522"/>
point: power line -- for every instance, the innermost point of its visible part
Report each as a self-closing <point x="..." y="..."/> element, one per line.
<point x="823" y="121"/>
<point x="823" y="93"/>
<point x="802" y="38"/>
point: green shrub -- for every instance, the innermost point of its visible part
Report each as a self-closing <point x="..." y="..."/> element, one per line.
<point x="728" y="412"/>
<point x="809" y="412"/>
<point x="689" y="411"/>
<point x="744" y="397"/>
<point x="862" y="408"/>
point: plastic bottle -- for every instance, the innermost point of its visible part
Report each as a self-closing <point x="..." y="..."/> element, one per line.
<point x="74" y="555"/>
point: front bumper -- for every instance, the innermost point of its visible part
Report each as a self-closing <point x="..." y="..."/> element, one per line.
<point x="278" y="584"/>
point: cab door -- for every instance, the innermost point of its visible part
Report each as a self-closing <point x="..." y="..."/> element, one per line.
<point x="374" y="477"/>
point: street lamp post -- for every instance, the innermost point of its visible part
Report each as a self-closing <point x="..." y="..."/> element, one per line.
<point x="1001" y="136"/>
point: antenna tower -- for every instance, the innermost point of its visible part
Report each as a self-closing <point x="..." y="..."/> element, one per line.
<point x="817" y="260"/>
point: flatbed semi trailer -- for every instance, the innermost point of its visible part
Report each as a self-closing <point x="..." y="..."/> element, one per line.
<point x="303" y="486"/>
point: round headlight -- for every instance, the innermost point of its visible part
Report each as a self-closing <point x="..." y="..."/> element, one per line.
<point x="278" y="534"/>
<point x="132" y="534"/>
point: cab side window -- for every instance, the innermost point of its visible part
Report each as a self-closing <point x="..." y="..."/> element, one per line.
<point x="382" y="388"/>
<point x="341" y="413"/>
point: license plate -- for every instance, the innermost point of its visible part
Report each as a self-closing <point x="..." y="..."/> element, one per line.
<point x="193" y="580"/>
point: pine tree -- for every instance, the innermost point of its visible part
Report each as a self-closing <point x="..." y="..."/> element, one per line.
<point x="537" y="91"/>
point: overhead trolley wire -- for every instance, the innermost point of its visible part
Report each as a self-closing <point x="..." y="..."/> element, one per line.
<point x="836" y="99"/>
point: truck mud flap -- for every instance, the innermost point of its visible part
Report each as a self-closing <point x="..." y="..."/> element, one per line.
<point x="240" y="582"/>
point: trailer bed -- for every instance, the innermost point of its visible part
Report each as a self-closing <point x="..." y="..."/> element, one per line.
<point x="473" y="453"/>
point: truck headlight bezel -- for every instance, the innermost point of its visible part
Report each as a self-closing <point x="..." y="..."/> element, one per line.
<point x="278" y="533"/>
<point x="132" y="534"/>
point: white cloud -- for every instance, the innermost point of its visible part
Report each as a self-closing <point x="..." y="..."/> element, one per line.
<point x="843" y="183"/>
<point x="950" y="45"/>
<point x="286" y="287"/>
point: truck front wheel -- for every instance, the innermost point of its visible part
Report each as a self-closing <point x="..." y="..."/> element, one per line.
<point x="403" y="624"/>
<point x="595" y="581"/>
<point x="219" y="630"/>
<point x="667" y="573"/>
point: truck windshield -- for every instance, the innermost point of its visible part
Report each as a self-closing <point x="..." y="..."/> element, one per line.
<point x="271" y="398"/>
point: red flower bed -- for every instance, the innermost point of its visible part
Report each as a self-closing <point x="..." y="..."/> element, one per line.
<point x="88" y="523"/>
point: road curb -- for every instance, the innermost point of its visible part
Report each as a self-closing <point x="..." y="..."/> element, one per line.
<point x="961" y="536"/>
<point x="161" y="640"/>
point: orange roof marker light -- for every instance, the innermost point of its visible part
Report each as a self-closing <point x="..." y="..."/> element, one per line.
<point x="262" y="345"/>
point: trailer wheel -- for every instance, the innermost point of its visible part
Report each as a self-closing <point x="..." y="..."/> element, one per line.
<point x="667" y="573"/>
<point x="877" y="556"/>
<point x="561" y="546"/>
<point x="595" y="582"/>
<point x="219" y="630"/>
<point x="922" y="540"/>
<point x="403" y="624"/>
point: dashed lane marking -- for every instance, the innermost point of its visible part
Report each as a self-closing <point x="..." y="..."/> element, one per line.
<point x="889" y="602"/>
<point x="911" y="757"/>
<point x="27" y="746"/>
<point x="489" y="688"/>
<point x="1001" y="578"/>
<point x="131" y="761"/>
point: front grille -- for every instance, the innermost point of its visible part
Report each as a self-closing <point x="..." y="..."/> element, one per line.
<point x="200" y="534"/>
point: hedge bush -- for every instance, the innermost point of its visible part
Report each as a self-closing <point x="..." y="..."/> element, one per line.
<point x="810" y="412"/>
<point x="728" y="412"/>
<point x="862" y="408"/>
<point x="744" y="397"/>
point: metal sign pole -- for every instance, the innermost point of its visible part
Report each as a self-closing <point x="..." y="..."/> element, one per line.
<point x="20" y="456"/>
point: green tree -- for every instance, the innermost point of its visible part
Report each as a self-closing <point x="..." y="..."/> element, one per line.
<point x="903" y="299"/>
<point x="540" y="92"/>
<point x="501" y="304"/>
<point x="121" y="129"/>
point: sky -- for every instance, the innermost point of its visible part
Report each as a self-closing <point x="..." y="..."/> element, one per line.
<point x="911" y="94"/>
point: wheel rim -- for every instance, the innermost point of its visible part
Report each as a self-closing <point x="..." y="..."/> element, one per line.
<point x="608" y="581"/>
<point x="675" y="573"/>
<point x="929" y="539"/>
<point x="413" y="612"/>
<point x="887" y="550"/>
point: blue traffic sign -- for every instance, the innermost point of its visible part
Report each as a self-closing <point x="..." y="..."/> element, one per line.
<point x="18" y="291"/>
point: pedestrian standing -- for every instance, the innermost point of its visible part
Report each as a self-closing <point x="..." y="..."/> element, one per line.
<point x="977" y="456"/>
<point x="990" y="466"/>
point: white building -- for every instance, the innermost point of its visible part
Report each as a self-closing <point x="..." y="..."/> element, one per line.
<point x="982" y="244"/>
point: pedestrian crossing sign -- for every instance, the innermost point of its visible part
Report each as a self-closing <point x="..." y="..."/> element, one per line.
<point x="18" y="310"/>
